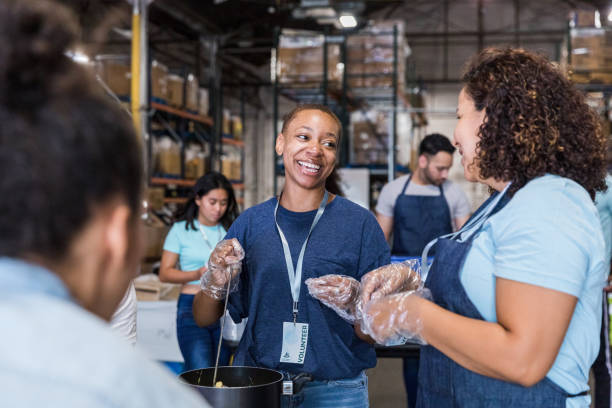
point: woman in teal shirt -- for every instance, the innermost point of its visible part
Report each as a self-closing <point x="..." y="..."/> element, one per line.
<point x="517" y="291"/>
<point x="200" y="224"/>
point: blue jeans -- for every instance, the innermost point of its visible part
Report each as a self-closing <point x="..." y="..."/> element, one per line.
<point x="346" y="393"/>
<point x="198" y="344"/>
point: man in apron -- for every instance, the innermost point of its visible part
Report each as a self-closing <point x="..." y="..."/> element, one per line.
<point x="419" y="207"/>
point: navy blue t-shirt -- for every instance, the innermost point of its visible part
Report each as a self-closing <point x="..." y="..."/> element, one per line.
<point x="347" y="240"/>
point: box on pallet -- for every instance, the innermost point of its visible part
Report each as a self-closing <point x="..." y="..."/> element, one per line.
<point x="155" y="231"/>
<point x="115" y="72"/>
<point x="300" y="58"/>
<point x="167" y="156"/>
<point x="176" y="86"/>
<point x="191" y="93"/>
<point x="159" y="81"/>
<point x="237" y="127"/>
<point x="155" y="198"/>
<point x="203" y="101"/>
<point x="227" y="122"/>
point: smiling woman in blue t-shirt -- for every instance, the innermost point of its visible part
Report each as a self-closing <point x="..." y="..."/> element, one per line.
<point x="289" y="330"/>
<point x="199" y="225"/>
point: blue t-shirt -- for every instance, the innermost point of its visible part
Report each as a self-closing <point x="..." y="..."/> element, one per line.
<point x="548" y="235"/>
<point x="603" y="201"/>
<point x="190" y="245"/>
<point x="347" y="240"/>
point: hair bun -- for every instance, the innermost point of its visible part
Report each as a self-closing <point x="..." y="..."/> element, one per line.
<point x="34" y="36"/>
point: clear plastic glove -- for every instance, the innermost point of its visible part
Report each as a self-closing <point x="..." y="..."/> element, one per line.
<point x="392" y="319"/>
<point x="338" y="292"/>
<point x="389" y="279"/>
<point x="224" y="264"/>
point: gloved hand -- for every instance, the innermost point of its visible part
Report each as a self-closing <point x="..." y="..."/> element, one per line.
<point x="392" y="319"/>
<point x="224" y="264"/>
<point x="338" y="292"/>
<point x="389" y="279"/>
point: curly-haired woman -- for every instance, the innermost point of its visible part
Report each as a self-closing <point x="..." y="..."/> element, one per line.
<point x="517" y="291"/>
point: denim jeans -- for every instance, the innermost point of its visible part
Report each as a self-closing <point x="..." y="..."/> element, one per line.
<point x="346" y="393"/>
<point x="198" y="344"/>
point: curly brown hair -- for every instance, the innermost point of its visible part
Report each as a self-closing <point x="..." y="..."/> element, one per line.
<point x="536" y="121"/>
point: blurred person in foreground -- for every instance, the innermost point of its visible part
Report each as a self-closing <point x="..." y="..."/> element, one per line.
<point x="69" y="215"/>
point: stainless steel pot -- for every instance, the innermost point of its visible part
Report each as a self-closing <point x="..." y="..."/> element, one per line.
<point x="246" y="387"/>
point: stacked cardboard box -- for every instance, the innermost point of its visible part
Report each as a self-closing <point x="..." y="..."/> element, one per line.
<point x="191" y="93"/>
<point x="300" y="59"/>
<point x="591" y="57"/>
<point x="155" y="231"/>
<point x="167" y="156"/>
<point x="369" y="138"/>
<point x="203" y="101"/>
<point x="115" y="72"/>
<point x="370" y="57"/>
<point x="176" y="86"/>
<point x="159" y="81"/>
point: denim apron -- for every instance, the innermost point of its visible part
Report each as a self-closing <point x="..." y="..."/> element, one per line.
<point x="417" y="220"/>
<point x="444" y="383"/>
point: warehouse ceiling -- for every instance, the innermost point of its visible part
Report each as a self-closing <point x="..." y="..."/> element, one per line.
<point x="441" y="34"/>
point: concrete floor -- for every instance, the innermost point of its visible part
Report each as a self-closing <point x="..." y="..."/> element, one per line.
<point x="386" y="385"/>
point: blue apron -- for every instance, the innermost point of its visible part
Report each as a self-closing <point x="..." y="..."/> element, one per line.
<point x="444" y="383"/>
<point x="417" y="220"/>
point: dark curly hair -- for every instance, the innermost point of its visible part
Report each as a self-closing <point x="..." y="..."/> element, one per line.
<point x="536" y="121"/>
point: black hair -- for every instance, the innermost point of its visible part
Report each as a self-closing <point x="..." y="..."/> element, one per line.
<point x="434" y="143"/>
<point x="206" y="183"/>
<point x="66" y="148"/>
<point x="333" y="183"/>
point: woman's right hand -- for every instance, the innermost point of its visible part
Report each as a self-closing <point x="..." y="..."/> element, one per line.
<point x="224" y="264"/>
<point x="389" y="279"/>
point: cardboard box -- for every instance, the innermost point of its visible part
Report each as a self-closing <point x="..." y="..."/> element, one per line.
<point x="237" y="127"/>
<point x="116" y="74"/>
<point x="203" y="101"/>
<point x="227" y="168"/>
<point x="195" y="168"/>
<point x="305" y="63"/>
<point x="236" y="170"/>
<point x="227" y="122"/>
<point x="159" y="80"/>
<point x="154" y="230"/>
<point x="176" y="85"/>
<point x="155" y="198"/>
<point x="169" y="161"/>
<point x="191" y="93"/>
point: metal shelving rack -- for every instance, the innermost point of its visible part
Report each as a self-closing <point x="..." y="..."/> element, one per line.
<point x="344" y="99"/>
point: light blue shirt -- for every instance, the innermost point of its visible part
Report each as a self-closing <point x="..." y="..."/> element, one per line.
<point x="548" y="235"/>
<point x="193" y="250"/>
<point x="53" y="353"/>
<point x="603" y="201"/>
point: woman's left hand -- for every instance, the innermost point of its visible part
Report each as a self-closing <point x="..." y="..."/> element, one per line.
<point x="393" y="319"/>
<point x="338" y="292"/>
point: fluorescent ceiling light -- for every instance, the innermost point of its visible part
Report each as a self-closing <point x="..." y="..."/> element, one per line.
<point x="320" y="12"/>
<point x="78" y="56"/>
<point x="348" y="21"/>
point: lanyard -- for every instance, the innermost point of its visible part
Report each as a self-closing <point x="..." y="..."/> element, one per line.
<point x="295" y="275"/>
<point x="206" y="238"/>
<point x="464" y="233"/>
